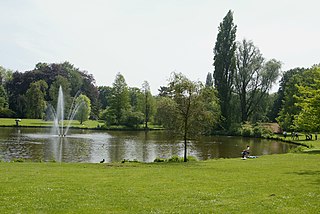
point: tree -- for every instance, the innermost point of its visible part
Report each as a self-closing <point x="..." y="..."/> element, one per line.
<point x="54" y="92"/>
<point x="120" y="98"/>
<point x="3" y="98"/>
<point x="104" y="96"/>
<point x="209" y="80"/>
<point x="148" y="103"/>
<point x="225" y="64"/>
<point x="253" y="77"/>
<point x="36" y="99"/>
<point x="282" y="102"/>
<point x="287" y="96"/>
<point x="185" y="112"/>
<point x="84" y="108"/>
<point x="308" y="100"/>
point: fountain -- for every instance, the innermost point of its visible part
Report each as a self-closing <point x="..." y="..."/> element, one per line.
<point x="59" y="128"/>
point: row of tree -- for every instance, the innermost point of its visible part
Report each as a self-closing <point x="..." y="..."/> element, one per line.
<point x="236" y="92"/>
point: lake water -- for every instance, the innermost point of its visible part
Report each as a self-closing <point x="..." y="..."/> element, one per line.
<point x="92" y="146"/>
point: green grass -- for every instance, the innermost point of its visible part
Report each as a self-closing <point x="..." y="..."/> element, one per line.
<point x="314" y="145"/>
<point x="42" y="123"/>
<point x="89" y="124"/>
<point x="270" y="184"/>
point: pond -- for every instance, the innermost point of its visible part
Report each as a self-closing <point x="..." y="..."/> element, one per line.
<point x="91" y="146"/>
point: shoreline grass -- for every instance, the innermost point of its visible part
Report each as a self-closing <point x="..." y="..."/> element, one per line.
<point x="270" y="184"/>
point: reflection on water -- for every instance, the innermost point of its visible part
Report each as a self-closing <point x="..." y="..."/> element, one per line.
<point x="114" y="146"/>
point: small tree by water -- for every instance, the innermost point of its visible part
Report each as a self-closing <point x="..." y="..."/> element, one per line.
<point x="188" y="109"/>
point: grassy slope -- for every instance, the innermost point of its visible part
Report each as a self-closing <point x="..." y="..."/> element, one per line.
<point x="270" y="184"/>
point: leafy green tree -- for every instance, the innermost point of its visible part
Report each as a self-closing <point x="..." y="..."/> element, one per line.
<point x="185" y="112"/>
<point x="84" y="109"/>
<point x="54" y="92"/>
<point x="308" y="100"/>
<point x="120" y="98"/>
<point x="225" y="64"/>
<point x="287" y="95"/>
<point x="5" y="75"/>
<point x="104" y="97"/>
<point x="253" y="78"/>
<point x="36" y="99"/>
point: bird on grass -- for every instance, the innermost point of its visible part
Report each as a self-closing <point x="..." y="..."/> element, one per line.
<point x="102" y="161"/>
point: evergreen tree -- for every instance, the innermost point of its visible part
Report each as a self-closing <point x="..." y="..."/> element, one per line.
<point x="225" y="64"/>
<point x="119" y="102"/>
<point x="209" y="80"/>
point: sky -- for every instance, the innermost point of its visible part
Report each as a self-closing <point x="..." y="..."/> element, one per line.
<point x="147" y="40"/>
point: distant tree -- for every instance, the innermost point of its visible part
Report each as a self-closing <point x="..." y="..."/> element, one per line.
<point x="3" y="98"/>
<point x="54" y="92"/>
<point x="120" y="98"/>
<point x="84" y="109"/>
<point x="104" y="97"/>
<point x="148" y="103"/>
<point x="135" y="98"/>
<point x="283" y="103"/>
<point x="253" y="78"/>
<point x="36" y="99"/>
<point x="288" y="87"/>
<point x="209" y="80"/>
<point x="308" y="100"/>
<point x="185" y="112"/>
<point x="164" y="91"/>
<point x="5" y="75"/>
<point x="225" y="64"/>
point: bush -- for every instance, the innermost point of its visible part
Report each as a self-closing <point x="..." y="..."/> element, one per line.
<point x="133" y="119"/>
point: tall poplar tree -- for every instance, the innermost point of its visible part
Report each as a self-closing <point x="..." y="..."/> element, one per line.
<point x="225" y="64"/>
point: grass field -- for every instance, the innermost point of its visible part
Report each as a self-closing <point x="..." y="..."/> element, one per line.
<point x="270" y="184"/>
<point x="89" y="124"/>
<point x="42" y="123"/>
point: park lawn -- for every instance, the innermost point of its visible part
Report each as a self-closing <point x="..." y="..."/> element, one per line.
<point x="43" y="123"/>
<point x="270" y="184"/>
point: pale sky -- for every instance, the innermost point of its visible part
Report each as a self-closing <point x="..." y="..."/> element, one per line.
<point x="149" y="39"/>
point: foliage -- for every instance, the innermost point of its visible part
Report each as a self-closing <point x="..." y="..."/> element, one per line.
<point x="209" y="80"/>
<point x="188" y="110"/>
<point x="84" y="109"/>
<point x="255" y="130"/>
<point x="36" y="99"/>
<point x="308" y="100"/>
<point x="108" y="116"/>
<point x="120" y="98"/>
<point x="253" y="78"/>
<point x="132" y="119"/>
<point x="18" y="83"/>
<point x="225" y="64"/>
<point x="3" y="98"/>
<point x="148" y="103"/>
<point x="286" y="97"/>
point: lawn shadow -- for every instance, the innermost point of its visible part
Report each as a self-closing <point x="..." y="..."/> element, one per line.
<point x="312" y="152"/>
<point x="313" y="173"/>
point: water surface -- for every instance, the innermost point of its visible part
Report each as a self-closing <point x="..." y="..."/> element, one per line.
<point x="92" y="146"/>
